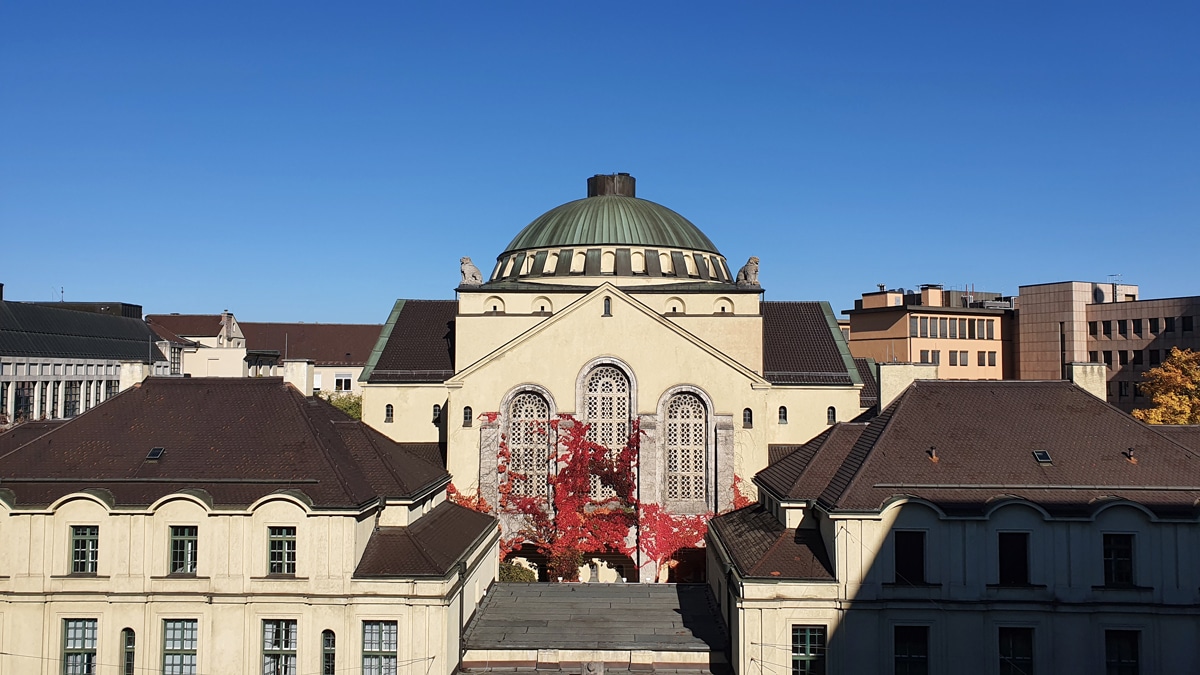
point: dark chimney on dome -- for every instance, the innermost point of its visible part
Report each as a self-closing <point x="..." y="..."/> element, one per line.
<point x="620" y="184"/>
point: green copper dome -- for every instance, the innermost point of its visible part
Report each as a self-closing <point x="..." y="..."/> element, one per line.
<point x="611" y="216"/>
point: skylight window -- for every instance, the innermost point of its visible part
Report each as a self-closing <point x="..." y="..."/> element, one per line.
<point x="155" y="453"/>
<point x="1042" y="457"/>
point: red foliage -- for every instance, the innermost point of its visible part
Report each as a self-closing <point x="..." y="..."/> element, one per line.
<point x="740" y="500"/>
<point x="475" y="503"/>
<point x="663" y="534"/>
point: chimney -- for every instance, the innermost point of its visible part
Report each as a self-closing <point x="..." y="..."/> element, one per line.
<point x="894" y="378"/>
<point x="1091" y="377"/>
<point x="620" y="184"/>
<point x="299" y="374"/>
<point x="1" y="292"/>
<point x="133" y="372"/>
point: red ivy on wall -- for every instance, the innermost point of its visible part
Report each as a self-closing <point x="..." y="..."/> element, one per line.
<point x="572" y="521"/>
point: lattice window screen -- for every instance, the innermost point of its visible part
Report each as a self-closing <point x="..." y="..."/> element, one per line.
<point x="608" y="414"/>
<point x="528" y="443"/>
<point x="687" y="429"/>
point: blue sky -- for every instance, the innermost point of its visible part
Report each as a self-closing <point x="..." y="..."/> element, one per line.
<point x="298" y="161"/>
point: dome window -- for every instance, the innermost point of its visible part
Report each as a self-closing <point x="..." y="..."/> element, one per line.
<point x="747" y="419"/>
<point x="468" y="416"/>
<point x="388" y="413"/>
<point x="782" y="415"/>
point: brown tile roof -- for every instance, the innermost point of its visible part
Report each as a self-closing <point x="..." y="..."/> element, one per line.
<point x="1186" y="434"/>
<point x="25" y="432"/>
<point x="800" y="345"/>
<point x="420" y="343"/>
<point x="762" y="547"/>
<point x="47" y="331"/>
<point x="187" y="325"/>
<point x="869" y="396"/>
<point x="984" y="434"/>
<point x="164" y="333"/>
<point x="429" y="547"/>
<point x="328" y="344"/>
<point x="796" y="477"/>
<point x="235" y="439"/>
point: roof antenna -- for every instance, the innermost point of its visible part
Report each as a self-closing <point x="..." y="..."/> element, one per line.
<point x="1129" y="456"/>
<point x="933" y="456"/>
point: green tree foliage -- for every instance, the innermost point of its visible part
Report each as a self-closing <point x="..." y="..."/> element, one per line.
<point x="512" y="572"/>
<point x="351" y="404"/>
<point x="1175" y="389"/>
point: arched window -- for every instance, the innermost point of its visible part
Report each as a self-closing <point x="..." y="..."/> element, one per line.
<point x="468" y="416"/>
<point x="388" y="413"/>
<point x="528" y="444"/>
<point x="607" y="411"/>
<point x="782" y="415"/>
<point x="437" y="414"/>
<point x="607" y="307"/>
<point x="128" y="642"/>
<point x="747" y="419"/>
<point x="687" y="431"/>
<point x="328" y="653"/>
<point x="831" y="415"/>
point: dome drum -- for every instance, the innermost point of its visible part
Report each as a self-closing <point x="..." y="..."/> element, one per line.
<point x="669" y="265"/>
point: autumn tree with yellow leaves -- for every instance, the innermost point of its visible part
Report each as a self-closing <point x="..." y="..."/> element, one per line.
<point x="1175" y="389"/>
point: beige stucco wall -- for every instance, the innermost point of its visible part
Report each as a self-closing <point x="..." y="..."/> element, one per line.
<point x="230" y="596"/>
<point x="215" y="362"/>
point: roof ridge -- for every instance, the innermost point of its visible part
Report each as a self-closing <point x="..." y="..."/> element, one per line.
<point x="302" y="403"/>
<point x="852" y="466"/>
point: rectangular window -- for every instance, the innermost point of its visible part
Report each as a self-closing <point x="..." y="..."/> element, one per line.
<point x="1187" y="324"/>
<point x="1093" y="357"/>
<point x="379" y="648"/>
<point x="1016" y="651"/>
<point x="912" y="326"/>
<point x="79" y="646"/>
<point x="71" y="393"/>
<point x="1122" y="390"/>
<point x="279" y="647"/>
<point x="282" y="550"/>
<point x="85" y="549"/>
<point x="924" y="326"/>
<point x="963" y="358"/>
<point x="1118" y="560"/>
<point x="1013" y="548"/>
<point x="23" y="395"/>
<point x="991" y="329"/>
<point x="1108" y="359"/>
<point x="328" y="653"/>
<point x="911" y="649"/>
<point x="1154" y="326"/>
<point x="982" y="331"/>
<point x="184" y="540"/>
<point x="808" y="650"/>
<point x="1107" y="326"/>
<point x="1092" y="329"/>
<point x="910" y="556"/>
<point x="128" y="644"/>
<point x="962" y="329"/>
<point x="924" y="356"/>
<point x="1169" y="324"/>
<point x="1122" y="327"/>
<point x="54" y="387"/>
<point x="991" y="358"/>
<point x="933" y="327"/>
<point x="1121" y="652"/>
<point x="1137" y="357"/>
<point x="1137" y="327"/>
<point x="943" y="329"/>
<point x="953" y="358"/>
<point x="953" y="328"/>
<point x="1155" y="359"/>
<point x="1122" y="357"/>
<point x="179" y="646"/>
<point x="937" y="356"/>
<point x="1137" y="389"/>
<point x="111" y="387"/>
<point x="176" y="360"/>
<point x="341" y="382"/>
<point x="981" y="357"/>
<point x="971" y="328"/>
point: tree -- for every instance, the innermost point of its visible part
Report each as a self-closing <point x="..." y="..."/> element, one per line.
<point x="351" y="404"/>
<point x="1175" y="389"/>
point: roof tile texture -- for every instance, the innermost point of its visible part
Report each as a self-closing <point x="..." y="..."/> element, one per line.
<point x="421" y="345"/>
<point x="429" y="547"/>
<point x="798" y="345"/>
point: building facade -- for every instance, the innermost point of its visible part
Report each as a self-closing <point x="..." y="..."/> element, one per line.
<point x="992" y="527"/>
<point x="968" y="335"/>
<point x="56" y="363"/>
<point x="1105" y="323"/>
<point x="614" y="310"/>
<point x="231" y="526"/>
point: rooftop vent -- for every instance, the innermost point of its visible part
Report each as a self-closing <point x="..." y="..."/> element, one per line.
<point x="620" y="184"/>
<point x="155" y="453"/>
<point x="1042" y="457"/>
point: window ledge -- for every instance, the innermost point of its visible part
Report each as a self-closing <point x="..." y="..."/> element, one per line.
<point x="1019" y="587"/>
<point x="901" y="584"/>
<point x="79" y="575"/>
<point x="1123" y="587"/>
<point x="279" y="577"/>
<point x="179" y="575"/>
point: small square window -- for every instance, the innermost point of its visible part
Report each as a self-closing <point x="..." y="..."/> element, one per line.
<point x="1122" y="357"/>
<point x="924" y="356"/>
<point x="1137" y="357"/>
<point x="1092" y="329"/>
<point x="1094" y="357"/>
<point x="1108" y="361"/>
<point x="1155" y="358"/>
<point x="1137" y="327"/>
<point x="1122" y="327"/>
<point x="1187" y="324"/>
<point x="937" y="356"/>
<point x="991" y="358"/>
<point x="953" y="358"/>
<point x="1106" y="326"/>
<point x="1169" y="324"/>
<point x="982" y="358"/>
<point x="1122" y="390"/>
<point x="1154" y="326"/>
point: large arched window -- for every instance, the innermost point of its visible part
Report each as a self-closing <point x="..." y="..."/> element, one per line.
<point x="528" y="443"/>
<point x="607" y="408"/>
<point x="687" y="431"/>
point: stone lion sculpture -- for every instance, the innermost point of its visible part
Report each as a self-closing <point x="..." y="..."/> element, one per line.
<point x="471" y="276"/>
<point x="748" y="275"/>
